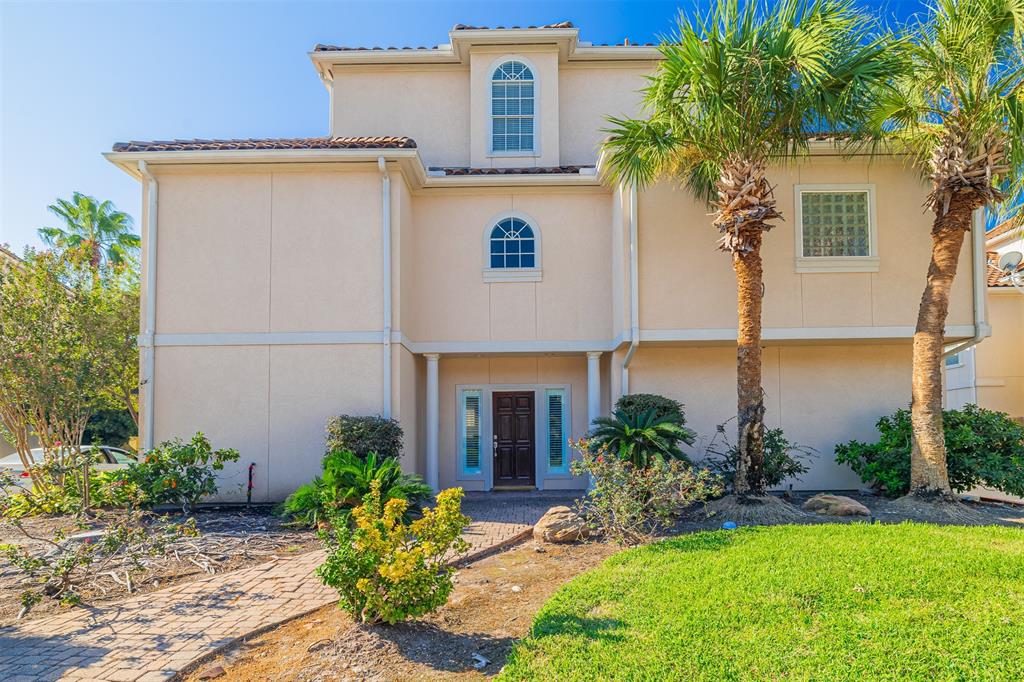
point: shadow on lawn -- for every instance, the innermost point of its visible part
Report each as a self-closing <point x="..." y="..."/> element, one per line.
<point x="597" y="629"/>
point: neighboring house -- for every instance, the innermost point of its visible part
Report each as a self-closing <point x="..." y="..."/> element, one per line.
<point x="452" y="255"/>
<point x="991" y="374"/>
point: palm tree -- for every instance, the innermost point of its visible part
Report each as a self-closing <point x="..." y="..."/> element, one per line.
<point x="97" y="227"/>
<point x="641" y="438"/>
<point x="736" y="91"/>
<point x="958" y="110"/>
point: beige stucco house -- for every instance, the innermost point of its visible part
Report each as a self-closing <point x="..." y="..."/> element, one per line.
<point x="991" y="374"/>
<point x="453" y="255"/>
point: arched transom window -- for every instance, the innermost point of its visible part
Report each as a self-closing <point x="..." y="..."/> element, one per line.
<point x="512" y="108"/>
<point x="513" y="245"/>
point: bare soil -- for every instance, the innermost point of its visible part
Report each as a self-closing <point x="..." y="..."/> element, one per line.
<point x="229" y="539"/>
<point x="493" y="605"/>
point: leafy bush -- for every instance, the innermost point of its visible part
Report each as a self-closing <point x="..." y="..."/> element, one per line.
<point x="178" y="473"/>
<point x="363" y="435"/>
<point x="387" y="569"/>
<point x="641" y="438"/>
<point x="982" y="447"/>
<point x="109" y="427"/>
<point x="63" y="495"/>
<point x="638" y="403"/>
<point x="782" y="458"/>
<point x="629" y="504"/>
<point x="346" y="480"/>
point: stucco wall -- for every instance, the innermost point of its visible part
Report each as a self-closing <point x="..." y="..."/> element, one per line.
<point x="428" y="104"/>
<point x="677" y="241"/>
<point x="588" y="94"/>
<point x="819" y="395"/>
<point x="451" y="301"/>
<point x="1000" y="358"/>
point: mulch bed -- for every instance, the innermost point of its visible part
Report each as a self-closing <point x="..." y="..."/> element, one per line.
<point x="230" y="538"/>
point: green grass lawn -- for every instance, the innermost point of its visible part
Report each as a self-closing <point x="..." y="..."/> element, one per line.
<point x="824" y="602"/>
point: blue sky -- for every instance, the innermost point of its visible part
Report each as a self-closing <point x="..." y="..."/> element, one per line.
<point x="76" y="77"/>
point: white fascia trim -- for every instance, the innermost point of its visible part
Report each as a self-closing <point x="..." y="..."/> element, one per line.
<point x="797" y="333"/>
<point x="475" y="347"/>
<point x="270" y="338"/>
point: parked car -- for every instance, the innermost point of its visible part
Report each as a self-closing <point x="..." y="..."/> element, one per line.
<point x="105" y="458"/>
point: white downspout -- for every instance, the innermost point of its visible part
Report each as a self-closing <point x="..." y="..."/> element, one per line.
<point x="148" y="359"/>
<point x="980" y="288"/>
<point x="634" y="291"/>
<point x="385" y="226"/>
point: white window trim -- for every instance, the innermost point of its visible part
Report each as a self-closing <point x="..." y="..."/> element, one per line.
<point x="540" y="406"/>
<point x="812" y="264"/>
<point x="534" y="274"/>
<point x="520" y="153"/>
<point x="463" y="473"/>
<point x="959" y="361"/>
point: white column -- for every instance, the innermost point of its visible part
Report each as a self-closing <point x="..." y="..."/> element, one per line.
<point x="432" y="420"/>
<point x="593" y="387"/>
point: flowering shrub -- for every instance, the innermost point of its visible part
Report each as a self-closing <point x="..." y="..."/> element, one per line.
<point x="178" y="473"/>
<point x="629" y="504"/>
<point x="386" y="569"/>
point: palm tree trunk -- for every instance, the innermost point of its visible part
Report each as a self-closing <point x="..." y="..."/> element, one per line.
<point x="928" y="474"/>
<point x="750" y="396"/>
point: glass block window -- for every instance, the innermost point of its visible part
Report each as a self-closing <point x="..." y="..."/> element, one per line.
<point x="470" y="436"/>
<point x="512" y="245"/>
<point x="558" y="454"/>
<point x="512" y="108"/>
<point x="835" y="224"/>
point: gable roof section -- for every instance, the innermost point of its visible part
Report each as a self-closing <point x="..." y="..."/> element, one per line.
<point x="380" y="142"/>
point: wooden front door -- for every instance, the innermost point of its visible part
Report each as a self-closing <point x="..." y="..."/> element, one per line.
<point x="514" y="449"/>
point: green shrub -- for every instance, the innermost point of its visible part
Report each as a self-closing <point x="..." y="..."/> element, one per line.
<point x="641" y="438"/>
<point x="982" y="447"/>
<point x="363" y="435"/>
<point x="782" y="459"/>
<point x="387" y="569"/>
<point x="178" y="473"/>
<point x="62" y="493"/>
<point x="346" y="480"/>
<point x="629" y="504"/>
<point x="109" y="427"/>
<point x="638" y="403"/>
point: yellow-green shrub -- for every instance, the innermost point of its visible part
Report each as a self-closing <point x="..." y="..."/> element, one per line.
<point x="387" y="569"/>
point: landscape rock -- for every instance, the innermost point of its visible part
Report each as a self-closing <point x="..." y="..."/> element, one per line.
<point x="560" y="525"/>
<point x="836" y="505"/>
<point x="211" y="673"/>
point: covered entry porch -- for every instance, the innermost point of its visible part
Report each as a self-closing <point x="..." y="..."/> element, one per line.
<point x="504" y="422"/>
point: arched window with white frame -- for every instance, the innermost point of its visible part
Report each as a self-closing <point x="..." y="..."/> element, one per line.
<point x="512" y="249"/>
<point x="513" y="108"/>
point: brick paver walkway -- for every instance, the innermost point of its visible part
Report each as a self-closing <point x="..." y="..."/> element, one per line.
<point x="152" y="637"/>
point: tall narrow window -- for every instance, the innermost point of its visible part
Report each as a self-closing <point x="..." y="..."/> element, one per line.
<point x="470" y="436"/>
<point x="513" y="245"/>
<point x="512" y="108"/>
<point x="558" y="456"/>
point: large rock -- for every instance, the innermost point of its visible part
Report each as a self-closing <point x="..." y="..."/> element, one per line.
<point x="560" y="525"/>
<point x="836" y="505"/>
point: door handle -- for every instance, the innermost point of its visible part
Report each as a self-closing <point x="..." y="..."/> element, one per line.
<point x="494" y="445"/>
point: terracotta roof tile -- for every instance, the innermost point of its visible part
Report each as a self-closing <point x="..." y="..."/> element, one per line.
<point x="540" y="170"/>
<point x="390" y="142"/>
<point x="465" y="27"/>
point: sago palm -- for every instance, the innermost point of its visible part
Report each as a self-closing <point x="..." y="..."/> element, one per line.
<point x="641" y="438"/>
<point x="736" y="91"/>
<point x="958" y="110"/>
<point x="96" y="227"/>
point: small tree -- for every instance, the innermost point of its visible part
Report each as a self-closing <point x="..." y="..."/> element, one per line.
<point x="57" y="361"/>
